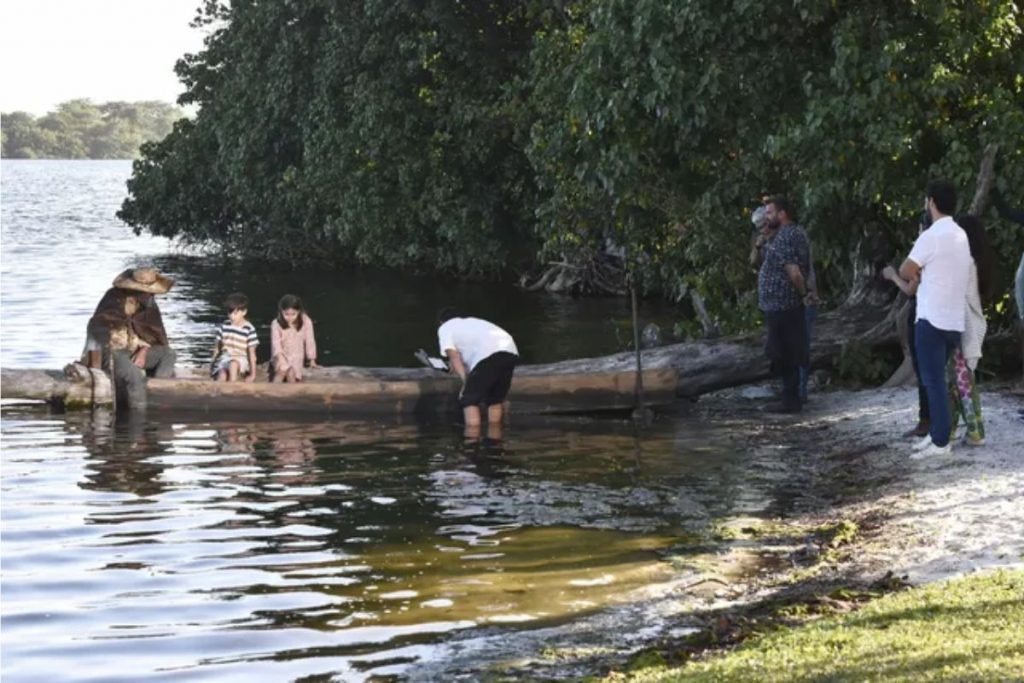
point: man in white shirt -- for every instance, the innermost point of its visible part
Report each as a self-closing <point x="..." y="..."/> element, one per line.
<point x="941" y="260"/>
<point x="484" y="356"/>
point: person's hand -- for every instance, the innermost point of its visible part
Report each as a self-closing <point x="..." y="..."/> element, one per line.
<point x="812" y="299"/>
<point x="888" y="272"/>
<point x="313" y="364"/>
<point x="139" y="357"/>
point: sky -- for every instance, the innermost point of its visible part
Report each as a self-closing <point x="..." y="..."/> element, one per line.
<point x="57" y="50"/>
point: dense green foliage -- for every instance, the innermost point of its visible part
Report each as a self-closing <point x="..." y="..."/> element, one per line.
<point x="485" y="138"/>
<point x="79" y="129"/>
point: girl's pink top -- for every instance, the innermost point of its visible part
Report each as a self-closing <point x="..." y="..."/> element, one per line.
<point x="290" y="348"/>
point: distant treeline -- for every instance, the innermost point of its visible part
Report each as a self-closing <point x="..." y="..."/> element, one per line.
<point x="80" y="129"/>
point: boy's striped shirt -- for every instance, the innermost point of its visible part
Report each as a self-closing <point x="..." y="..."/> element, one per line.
<point x="237" y="340"/>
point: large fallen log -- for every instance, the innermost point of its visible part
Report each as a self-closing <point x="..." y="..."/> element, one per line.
<point x="708" y="365"/>
<point x="690" y="368"/>
<point x="339" y="391"/>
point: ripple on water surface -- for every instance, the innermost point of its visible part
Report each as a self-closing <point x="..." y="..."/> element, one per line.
<point x="256" y="551"/>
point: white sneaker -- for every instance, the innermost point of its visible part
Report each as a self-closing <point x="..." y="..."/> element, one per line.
<point x="925" y="442"/>
<point x="932" y="451"/>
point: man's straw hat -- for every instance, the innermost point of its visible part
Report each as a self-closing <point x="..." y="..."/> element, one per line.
<point x="143" y="280"/>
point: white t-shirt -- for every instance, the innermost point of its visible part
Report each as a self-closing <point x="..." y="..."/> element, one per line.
<point x="474" y="339"/>
<point x="944" y="255"/>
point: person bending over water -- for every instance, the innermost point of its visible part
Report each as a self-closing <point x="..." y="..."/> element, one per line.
<point x="484" y="356"/>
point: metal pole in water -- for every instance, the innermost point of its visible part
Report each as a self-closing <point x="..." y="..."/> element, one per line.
<point x="638" y="402"/>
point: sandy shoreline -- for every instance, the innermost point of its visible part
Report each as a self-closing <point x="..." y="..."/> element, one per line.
<point x="942" y="517"/>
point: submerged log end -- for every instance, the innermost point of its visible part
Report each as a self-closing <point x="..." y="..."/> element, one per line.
<point x="80" y="387"/>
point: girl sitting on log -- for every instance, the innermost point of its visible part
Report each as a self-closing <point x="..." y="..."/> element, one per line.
<point x="291" y="341"/>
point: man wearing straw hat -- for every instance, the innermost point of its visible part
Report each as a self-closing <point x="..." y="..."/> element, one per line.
<point x="127" y="330"/>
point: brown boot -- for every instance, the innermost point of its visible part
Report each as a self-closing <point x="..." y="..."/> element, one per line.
<point x="920" y="430"/>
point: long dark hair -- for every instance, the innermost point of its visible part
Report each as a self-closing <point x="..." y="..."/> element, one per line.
<point x="290" y="301"/>
<point x="981" y="252"/>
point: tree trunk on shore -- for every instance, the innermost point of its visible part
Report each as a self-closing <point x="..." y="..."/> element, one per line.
<point x="708" y="365"/>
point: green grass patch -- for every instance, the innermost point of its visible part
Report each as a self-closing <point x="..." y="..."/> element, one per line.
<point x="969" y="629"/>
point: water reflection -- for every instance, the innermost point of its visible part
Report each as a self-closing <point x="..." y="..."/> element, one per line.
<point x="326" y="547"/>
<point x="123" y="454"/>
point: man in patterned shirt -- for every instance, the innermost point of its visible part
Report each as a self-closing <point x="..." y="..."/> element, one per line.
<point x="781" y="290"/>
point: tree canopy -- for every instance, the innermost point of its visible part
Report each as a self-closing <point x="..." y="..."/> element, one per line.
<point x="487" y="138"/>
<point x="79" y="129"/>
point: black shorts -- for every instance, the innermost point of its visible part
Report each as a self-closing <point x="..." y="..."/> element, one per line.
<point x="490" y="380"/>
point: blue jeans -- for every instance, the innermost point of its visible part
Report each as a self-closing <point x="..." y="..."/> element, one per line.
<point x="934" y="348"/>
<point x="810" y="316"/>
<point x="922" y="397"/>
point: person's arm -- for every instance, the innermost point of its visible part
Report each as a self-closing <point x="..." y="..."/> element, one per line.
<point x="252" y="341"/>
<point x="456" y="363"/>
<point x="907" y="287"/>
<point x="796" y="278"/>
<point x="139" y="357"/>
<point x="910" y="271"/>
<point x="307" y="327"/>
<point x="757" y="249"/>
<point x="252" y="365"/>
<point x="446" y="344"/>
<point x="790" y="252"/>
<point x="920" y="255"/>
<point x="276" y="357"/>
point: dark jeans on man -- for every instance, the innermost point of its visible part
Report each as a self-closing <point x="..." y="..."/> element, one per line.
<point x="934" y="348"/>
<point x="130" y="379"/>
<point x="923" y="415"/>
<point x="810" y="318"/>
<point x="786" y="348"/>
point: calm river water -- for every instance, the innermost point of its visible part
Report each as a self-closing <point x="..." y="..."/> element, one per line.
<point x="160" y="550"/>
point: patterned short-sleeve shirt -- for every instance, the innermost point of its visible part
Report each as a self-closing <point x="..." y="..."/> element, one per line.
<point x="237" y="340"/>
<point x="774" y="290"/>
